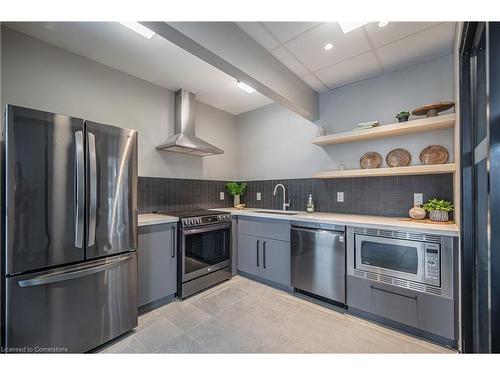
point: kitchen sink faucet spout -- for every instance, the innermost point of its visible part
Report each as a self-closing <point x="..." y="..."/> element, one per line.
<point x="285" y="204"/>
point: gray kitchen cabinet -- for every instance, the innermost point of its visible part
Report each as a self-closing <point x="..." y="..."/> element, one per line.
<point x="264" y="257"/>
<point x="157" y="263"/>
<point x="276" y="261"/>
<point x="248" y="254"/>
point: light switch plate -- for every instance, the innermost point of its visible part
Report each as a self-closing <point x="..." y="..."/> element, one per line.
<point x="221" y="195"/>
<point x="258" y="196"/>
<point x="340" y="196"/>
<point x="418" y="198"/>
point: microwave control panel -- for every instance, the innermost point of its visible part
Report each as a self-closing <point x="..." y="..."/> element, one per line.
<point x="432" y="265"/>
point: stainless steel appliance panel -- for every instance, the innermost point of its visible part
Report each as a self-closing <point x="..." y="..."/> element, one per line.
<point x="318" y="262"/>
<point x="111" y="190"/>
<point x="205" y="249"/>
<point x="74" y="308"/>
<point x="44" y="189"/>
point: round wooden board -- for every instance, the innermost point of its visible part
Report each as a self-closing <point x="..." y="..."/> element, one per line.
<point x="427" y="221"/>
<point x="438" y="107"/>
<point x="434" y="154"/>
<point x="398" y="157"/>
<point x="370" y="160"/>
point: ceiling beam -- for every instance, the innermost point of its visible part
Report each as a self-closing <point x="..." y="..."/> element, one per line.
<point x="225" y="46"/>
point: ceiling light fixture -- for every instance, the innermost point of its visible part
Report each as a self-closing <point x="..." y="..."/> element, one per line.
<point x="383" y="23"/>
<point x="139" y="29"/>
<point x="350" y="26"/>
<point x="245" y="87"/>
<point x="328" y="46"/>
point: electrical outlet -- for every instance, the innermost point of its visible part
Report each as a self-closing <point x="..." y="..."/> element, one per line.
<point x="340" y="196"/>
<point x="221" y="195"/>
<point x="259" y="196"/>
<point x="418" y="198"/>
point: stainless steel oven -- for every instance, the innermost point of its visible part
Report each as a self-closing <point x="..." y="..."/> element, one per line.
<point x="205" y="249"/>
<point x="412" y="260"/>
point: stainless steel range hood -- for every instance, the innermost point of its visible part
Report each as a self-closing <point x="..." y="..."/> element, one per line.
<point x="184" y="140"/>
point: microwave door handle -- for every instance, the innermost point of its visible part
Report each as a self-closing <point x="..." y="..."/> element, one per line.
<point x="92" y="189"/>
<point x="79" y="189"/>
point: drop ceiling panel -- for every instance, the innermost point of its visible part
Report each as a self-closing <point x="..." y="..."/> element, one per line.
<point x="380" y="36"/>
<point x="418" y="48"/>
<point x="285" y="31"/>
<point x="314" y="83"/>
<point x="308" y="47"/>
<point x="155" y="60"/>
<point x="287" y="59"/>
<point x="260" y="33"/>
<point x="352" y="70"/>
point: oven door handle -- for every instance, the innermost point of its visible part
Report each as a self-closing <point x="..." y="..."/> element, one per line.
<point x="394" y="293"/>
<point x="207" y="228"/>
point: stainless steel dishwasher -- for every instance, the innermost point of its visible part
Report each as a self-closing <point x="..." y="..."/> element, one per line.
<point x="319" y="259"/>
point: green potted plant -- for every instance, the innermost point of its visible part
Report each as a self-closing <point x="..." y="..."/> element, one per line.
<point x="438" y="209"/>
<point x="236" y="190"/>
<point x="403" y="116"/>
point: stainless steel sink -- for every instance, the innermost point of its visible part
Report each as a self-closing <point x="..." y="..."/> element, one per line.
<point x="277" y="212"/>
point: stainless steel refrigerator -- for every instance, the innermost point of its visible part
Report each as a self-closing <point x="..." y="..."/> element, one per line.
<point x="69" y="232"/>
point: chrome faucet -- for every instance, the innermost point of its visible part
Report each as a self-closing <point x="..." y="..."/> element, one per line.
<point x="285" y="204"/>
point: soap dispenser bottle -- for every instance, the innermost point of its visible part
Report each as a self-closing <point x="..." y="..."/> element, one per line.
<point x="310" y="204"/>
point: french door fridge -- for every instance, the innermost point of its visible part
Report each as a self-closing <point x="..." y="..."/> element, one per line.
<point x="69" y="232"/>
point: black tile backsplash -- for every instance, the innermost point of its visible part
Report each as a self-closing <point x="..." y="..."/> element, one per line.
<point x="381" y="196"/>
<point x="162" y="194"/>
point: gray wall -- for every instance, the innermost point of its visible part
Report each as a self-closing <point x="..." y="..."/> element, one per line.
<point x="275" y="143"/>
<point x="41" y="76"/>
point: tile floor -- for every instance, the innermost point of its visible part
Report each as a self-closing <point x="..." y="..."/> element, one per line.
<point x="243" y="316"/>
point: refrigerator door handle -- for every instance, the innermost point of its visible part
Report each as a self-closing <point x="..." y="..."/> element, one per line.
<point x="93" y="189"/>
<point x="80" y="189"/>
<point x="75" y="272"/>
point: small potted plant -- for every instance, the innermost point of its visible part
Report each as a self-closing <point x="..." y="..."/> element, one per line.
<point x="403" y="116"/>
<point x="438" y="209"/>
<point x="236" y="190"/>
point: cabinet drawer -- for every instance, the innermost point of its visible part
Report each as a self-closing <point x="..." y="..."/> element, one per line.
<point x="267" y="228"/>
<point x="432" y="314"/>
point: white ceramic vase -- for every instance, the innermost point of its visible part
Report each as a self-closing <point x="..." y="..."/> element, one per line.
<point x="236" y="200"/>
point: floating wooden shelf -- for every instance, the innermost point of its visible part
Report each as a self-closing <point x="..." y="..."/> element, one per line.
<point x="410" y="127"/>
<point x="395" y="171"/>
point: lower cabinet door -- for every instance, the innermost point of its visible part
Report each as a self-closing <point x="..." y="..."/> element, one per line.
<point x="157" y="272"/>
<point x="276" y="261"/>
<point x="249" y="257"/>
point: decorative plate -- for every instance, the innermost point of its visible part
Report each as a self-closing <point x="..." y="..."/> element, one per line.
<point x="398" y="158"/>
<point x="431" y="110"/>
<point x="434" y="154"/>
<point x="370" y="160"/>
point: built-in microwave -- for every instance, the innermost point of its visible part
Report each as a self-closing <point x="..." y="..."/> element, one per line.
<point x="405" y="259"/>
<point x="413" y="260"/>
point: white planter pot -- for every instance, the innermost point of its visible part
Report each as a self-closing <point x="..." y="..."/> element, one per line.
<point x="236" y="200"/>
<point x="438" y="215"/>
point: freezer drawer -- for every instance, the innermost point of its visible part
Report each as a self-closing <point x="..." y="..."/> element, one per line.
<point x="72" y="309"/>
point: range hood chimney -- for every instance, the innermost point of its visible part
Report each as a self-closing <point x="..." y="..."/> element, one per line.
<point x="184" y="140"/>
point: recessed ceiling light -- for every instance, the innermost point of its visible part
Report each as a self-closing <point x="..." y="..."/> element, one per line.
<point x="383" y="23"/>
<point x="139" y="29"/>
<point x="350" y="26"/>
<point x="245" y="87"/>
<point x="328" y="46"/>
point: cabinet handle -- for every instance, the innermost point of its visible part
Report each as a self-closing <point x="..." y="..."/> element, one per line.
<point x="264" y="253"/>
<point x="258" y="243"/>
<point x="173" y="242"/>
<point x="394" y="293"/>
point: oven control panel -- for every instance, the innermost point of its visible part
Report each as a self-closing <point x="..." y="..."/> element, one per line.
<point x="432" y="263"/>
<point x="205" y="220"/>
